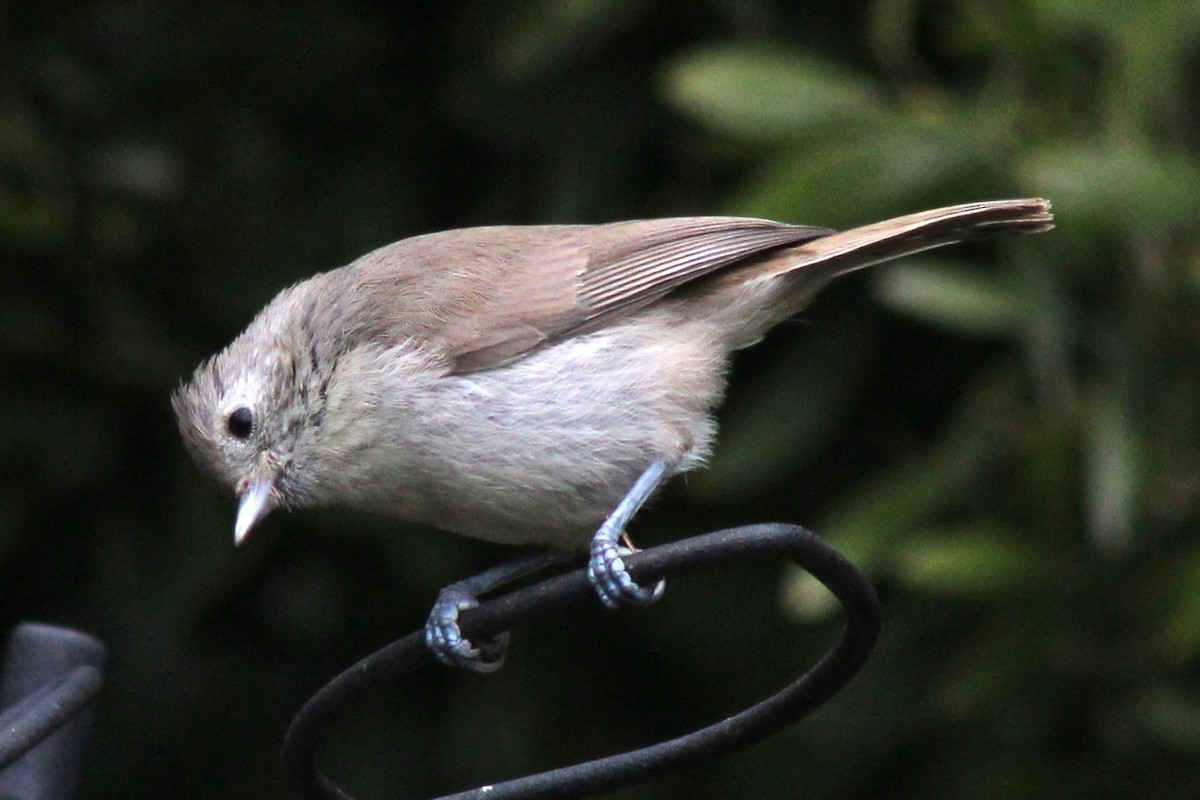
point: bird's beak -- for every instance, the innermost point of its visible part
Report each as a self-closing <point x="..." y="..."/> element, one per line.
<point x="254" y="504"/>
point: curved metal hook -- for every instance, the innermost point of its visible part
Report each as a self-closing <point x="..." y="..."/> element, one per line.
<point x="51" y="676"/>
<point x="536" y="602"/>
<point x="28" y="723"/>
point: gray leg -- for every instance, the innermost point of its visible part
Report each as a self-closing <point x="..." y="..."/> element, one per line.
<point x="442" y="635"/>
<point x="606" y="568"/>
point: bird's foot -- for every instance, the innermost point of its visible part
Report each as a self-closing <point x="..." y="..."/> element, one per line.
<point x="444" y="638"/>
<point x="606" y="562"/>
<point x="607" y="573"/>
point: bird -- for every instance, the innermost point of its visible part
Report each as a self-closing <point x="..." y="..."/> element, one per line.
<point x="530" y="385"/>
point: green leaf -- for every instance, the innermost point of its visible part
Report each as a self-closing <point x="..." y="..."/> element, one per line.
<point x="1066" y="17"/>
<point x="785" y="415"/>
<point x="1124" y="188"/>
<point x="544" y="37"/>
<point x="973" y="679"/>
<point x="869" y="521"/>
<point x="977" y="560"/>
<point x="1114" y="471"/>
<point x="851" y="176"/>
<point x="805" y="598"/>
<point x="1169" y="715"/>
<point x="950" y="295"/>
<point x="757" y="93"/>
<point x="1178" y="629"/>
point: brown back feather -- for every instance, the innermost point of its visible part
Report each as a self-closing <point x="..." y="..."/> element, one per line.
<point x="483" y="296"/>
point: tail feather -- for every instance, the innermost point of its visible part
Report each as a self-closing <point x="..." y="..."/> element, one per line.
<point x="771" y="289"/>
<point x="856" y="248"/>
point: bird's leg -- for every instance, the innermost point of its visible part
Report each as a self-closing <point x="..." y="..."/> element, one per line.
<point x="442" y="635"/>
<point x="606" y="571"/>
<point x="606" y="567"/>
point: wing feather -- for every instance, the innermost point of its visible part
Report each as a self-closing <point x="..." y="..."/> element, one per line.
<point x="477" y="298"/>
<point x="480" y="297"/>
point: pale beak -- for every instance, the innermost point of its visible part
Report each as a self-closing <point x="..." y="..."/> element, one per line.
<point x="252" y="507"/>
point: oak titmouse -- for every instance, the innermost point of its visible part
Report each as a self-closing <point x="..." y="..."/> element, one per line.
<point x="528" y="385"/>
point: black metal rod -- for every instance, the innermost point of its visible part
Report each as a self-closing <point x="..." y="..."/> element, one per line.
<point x="51" y="676"/>
<point x="530" y="604"/>
<point x="33" y="719"/>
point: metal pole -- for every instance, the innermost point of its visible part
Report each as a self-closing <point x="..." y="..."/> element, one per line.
<point x="50" y="674"/>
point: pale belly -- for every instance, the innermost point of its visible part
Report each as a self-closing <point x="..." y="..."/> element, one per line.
<point x="540" y="451"/>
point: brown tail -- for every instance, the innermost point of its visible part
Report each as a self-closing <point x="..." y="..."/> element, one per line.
<point x="801" y="271"/>
<point x="817" y="262"/>
<point x="849" y="250"/>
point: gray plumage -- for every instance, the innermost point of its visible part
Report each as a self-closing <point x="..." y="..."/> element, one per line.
<point x="510" y="383"/>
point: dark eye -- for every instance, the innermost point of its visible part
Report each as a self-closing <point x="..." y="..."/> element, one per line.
<point x="240" y="422"/>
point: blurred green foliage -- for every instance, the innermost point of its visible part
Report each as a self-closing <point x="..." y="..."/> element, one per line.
<point x="1006" y="435"/>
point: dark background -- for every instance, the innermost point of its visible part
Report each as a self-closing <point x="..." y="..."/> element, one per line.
<point x="1004" y="435"/>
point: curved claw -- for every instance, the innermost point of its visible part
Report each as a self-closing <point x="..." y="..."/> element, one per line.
<point x="606" y="567"/>
<point x="443" y="637"/>
<point x="606" y="572"/>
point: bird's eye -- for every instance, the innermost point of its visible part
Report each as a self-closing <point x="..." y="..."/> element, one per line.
<point x="240" y="422"/>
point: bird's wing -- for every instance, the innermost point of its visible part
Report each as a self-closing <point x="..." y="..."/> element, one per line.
<point x="481" y="297"/>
